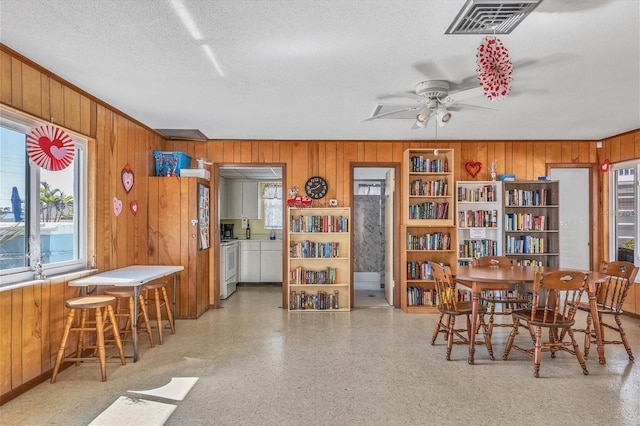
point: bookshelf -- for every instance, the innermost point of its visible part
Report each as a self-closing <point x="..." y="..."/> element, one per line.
<point x="479" y="219"/>
<point x="319" y="264"/>
<point x="531" y="222"/>
<point x="428" y="223"/>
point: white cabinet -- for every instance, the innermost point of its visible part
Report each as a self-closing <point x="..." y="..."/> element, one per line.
<point x="249" y="261"/>
<point x="271" y="261"/>
<point x="242" y="199"/>
<point x="260" y="261"/>
<point x="222" y="205"/>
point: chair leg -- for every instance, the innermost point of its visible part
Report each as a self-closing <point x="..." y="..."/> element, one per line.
<point x="510" y="340"/>
<point x="623" y="337"/>
<point x="116" y="333"/>
<point x="63" y="344"/>
<point x="167" y="306"/>
<point x="145" y="317"/>
<point x="487" y="338"/>
<point x="436" y="329"/>
<point x="158" y="314"/>
<point x="100" y="343"/>
<point x="537" y="355"/>
<point x="452" y="324"/>
<point x="587" y="336"/>
<point x="576" y="349"/>
<point x="80" y="337"/>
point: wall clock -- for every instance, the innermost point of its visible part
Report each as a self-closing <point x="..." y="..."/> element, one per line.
<point x="316" y="187"/>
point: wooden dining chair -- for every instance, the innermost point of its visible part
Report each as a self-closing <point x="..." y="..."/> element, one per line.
<point x="507" y="300"/>
<point x="610" y="297"/>
<point x="555" y="299"/>
<point x="450" y="307"/>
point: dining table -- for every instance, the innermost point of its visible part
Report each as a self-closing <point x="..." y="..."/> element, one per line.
<point x="132" y="276"/>
<point x="485" y="278"/>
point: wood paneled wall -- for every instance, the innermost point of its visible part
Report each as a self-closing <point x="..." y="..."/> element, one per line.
<point x="31" y="317"/>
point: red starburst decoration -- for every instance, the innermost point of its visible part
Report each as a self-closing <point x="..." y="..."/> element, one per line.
<point x="494" y="68"/>
<point x="50" y="148"/>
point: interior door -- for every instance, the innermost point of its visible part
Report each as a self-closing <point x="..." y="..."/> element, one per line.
<point x="389" y="242"/>
<point x="574" y="217"/>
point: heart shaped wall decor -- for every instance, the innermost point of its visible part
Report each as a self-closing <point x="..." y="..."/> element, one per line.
<point x="473" y="168"/>
<point x="117" y="206"/>
<point x="127" y="178"/>
<point x="133" y="206"/>
<point x="50" y="147"/>
<point x="604" y="167"/>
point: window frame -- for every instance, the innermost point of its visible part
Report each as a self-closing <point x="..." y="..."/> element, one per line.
<point x="24" y="124"/>
<point x="613" y="235"/>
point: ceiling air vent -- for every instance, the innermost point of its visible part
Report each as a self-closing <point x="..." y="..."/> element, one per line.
<point x="490" y="16"/>
<point x="182" y="134"/>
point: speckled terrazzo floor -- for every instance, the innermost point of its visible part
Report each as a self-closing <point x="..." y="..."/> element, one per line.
<point x="260" y="365"/>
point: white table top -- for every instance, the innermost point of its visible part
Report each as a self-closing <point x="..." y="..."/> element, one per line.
<point x="128" y="276"/>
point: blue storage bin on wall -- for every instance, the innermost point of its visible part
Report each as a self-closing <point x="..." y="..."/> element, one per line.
<point x="169" y="163"/>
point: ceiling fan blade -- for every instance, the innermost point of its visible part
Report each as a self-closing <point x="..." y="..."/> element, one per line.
<point x="410" y="95"/>
<point x="376" y="116"/>
<point x="457" y="106"/>
<point x="464" y="95"/>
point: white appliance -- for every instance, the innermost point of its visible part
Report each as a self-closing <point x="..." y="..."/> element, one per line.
<point x="228" y="268"/>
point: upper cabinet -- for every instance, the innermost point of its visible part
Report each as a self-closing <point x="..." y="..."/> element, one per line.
<point x="242" y="199"/>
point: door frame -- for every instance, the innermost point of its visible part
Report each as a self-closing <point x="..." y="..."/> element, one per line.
<point x="594" y="222"/>
<point x="396" y="225"/>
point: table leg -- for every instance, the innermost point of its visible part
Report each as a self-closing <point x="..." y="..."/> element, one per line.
<point x="173" y="297"/>
<point x="134" y="326"/>
<point x="474" y="326"/>
<point x="593" y="304"/>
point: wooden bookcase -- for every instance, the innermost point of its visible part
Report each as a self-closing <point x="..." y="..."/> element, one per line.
<point x="428" y="223"/>
<point x="319" y="264"/>
<point x="479" y="219"/>
<point x="531" y="222"/>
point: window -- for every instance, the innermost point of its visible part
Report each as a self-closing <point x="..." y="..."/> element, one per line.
<point x="625" y="203"/>
<point x="42" y="219"/>
<point x="272" y="202"/>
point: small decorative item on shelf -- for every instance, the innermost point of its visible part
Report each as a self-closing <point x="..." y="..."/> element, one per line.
<point x="493" y="169"/>
<point x="507" y="177"/>
<point x="298" y="200"/>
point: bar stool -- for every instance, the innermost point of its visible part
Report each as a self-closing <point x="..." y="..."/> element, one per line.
<point x="156" y="294"/>
<point x="125" y="309"/>
<point x="100" y="305"/>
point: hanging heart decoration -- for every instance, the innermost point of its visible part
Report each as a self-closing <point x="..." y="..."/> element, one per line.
<point x="133" y="206"/>
<point x="117" y="206"/>
<point x="473" y="168"/>
<point x="494" y="68"/>
<point x="50" y="148"/>
<point x="604" y="166"/>
<point x="127" y="178"/>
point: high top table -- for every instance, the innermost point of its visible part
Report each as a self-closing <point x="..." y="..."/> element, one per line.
<point x="131" y="276"/>
<point x="481" y="278"/>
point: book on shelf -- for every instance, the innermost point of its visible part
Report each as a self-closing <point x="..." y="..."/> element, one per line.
<point x="432" y="241"/>
<point x="419" y="271"/>
<point x="484" y="194"/>
<point x="524" y="222"/>
<point x="524" y="244"/>
<point x="318" y="223"/>
<point x="429" y="210"/>
<point x="523" y="197"/>
<point x="422" y="164"/>
<point x="477" y="248"/>
<point x="314" y="250"/>
<point x="431" y="188"/>
<point x="301" y="275"/>
<point x="322" y="300"/>
<point x="478" y="218"/>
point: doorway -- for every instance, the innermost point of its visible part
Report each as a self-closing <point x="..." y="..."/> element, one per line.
<point x="373" y="236"/>
<point x="575" y="215"/>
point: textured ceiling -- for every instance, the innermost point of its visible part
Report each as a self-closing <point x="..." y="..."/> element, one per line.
<point x="314" y="69"/>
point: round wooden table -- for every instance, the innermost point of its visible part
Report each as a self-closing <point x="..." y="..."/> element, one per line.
<point x="481" y="278"/>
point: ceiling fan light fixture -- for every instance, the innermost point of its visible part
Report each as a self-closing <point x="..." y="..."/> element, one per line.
<point x="423" y="117"/>
<point x="444" y="116"/>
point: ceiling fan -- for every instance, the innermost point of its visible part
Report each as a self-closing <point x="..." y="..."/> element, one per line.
<point x="432" y="100"/>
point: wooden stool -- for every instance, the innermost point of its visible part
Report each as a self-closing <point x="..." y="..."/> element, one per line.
<point x="100" y="305"/>
<point x="126" y="294"/>
<point x="157" y="294"/>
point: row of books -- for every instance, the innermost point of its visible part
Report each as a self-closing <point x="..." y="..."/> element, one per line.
<point x="429" y="210"/>
<point x="478" y="248"/>
<point x="313" y="249"/>
<point x="419" y="271"/>
<point x="433" y="241"/>
<point x="426" y="164"/>
<point x="301" y="275"/>
<point x="522" y="197"/>
<point x="524" y="222"/>
<point x="484" y="194"/>
<point x="321" y="300"/>
<point x="418" y="296"/>
<point x="524" y="244"/>
<point x="478" y="219"/>
<point x="429" y="187"/>
<point x="508" y="294"/>
<point x="318" y="223"/>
